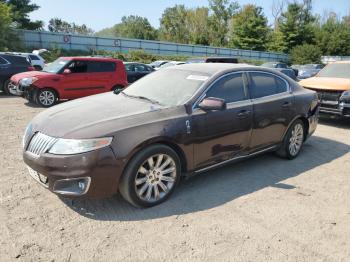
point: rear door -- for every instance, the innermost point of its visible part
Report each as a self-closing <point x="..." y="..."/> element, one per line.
<point x="100" y="76"/>
<point x="222" y="135"/>
<point x="273" y="108"/>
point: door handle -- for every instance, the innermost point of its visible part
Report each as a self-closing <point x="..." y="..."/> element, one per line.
<point x="286" y="104"/>
<point x="243" y="113"/>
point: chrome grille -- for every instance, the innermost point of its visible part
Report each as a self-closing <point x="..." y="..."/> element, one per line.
<point x="40" y="143"/>
<point x="328" y="95"/>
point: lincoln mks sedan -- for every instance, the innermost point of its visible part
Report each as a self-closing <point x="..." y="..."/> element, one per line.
<point x="175" y="122"/>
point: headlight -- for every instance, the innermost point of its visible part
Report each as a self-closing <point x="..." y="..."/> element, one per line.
<point x="27" y="81"/>
<point x="345" y="97"/>
<point x="73" y="146"/>
<point x="26" y="134"/>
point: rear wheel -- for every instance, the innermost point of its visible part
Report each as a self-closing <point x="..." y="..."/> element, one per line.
<point x="293" y="141"/>
<point x="151" y="176"/>
<point x="46" y="97"/>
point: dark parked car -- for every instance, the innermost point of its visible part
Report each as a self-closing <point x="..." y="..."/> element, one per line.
<point x="135" y="71"/>
<point x="283" y="68"/>
<point x="181" y="120"/>
<point x="11" y="64"/>
<point x="230" y="60"/>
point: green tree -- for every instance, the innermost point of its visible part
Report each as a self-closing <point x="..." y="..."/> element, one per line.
<point x="333" y="36"/>
<point x="20" y="14"/>
<point x="221" y="13"/>
<point x="296" y="25"/>
<point x="5" y="29"/>
<point x="249" y="29"/>
<point x="275" y="42"/>
<point x="306" y="54"/>
<point x="173" y="25"/>
<point x="197" y="24"/>
<point x="60" y="26"/>
<point x="131" y="27"/>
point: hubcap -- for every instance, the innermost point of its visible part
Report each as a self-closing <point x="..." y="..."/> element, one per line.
<point x="46" y="98"/>
<point x="155" y="178"/>
<point x="296" y="139"/>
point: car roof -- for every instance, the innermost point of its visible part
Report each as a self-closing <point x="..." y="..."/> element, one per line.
<point x="90" y="58"/>
<point x="136" y="63"/>
<point x="211" y="68"/>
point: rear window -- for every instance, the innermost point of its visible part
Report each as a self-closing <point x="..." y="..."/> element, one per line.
<point x="99" y="67"/>
<point x="16" y="60"/>
<point x="34" y="57"/>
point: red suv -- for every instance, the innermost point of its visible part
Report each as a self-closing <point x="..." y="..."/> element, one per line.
<point x="70" y="78"/>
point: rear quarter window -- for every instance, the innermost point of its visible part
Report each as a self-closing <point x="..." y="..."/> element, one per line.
<point x="34" y="57"/>
<point x="99" y="67"/>
<point x="2" y="61"/>
<point x="17" y="60"/>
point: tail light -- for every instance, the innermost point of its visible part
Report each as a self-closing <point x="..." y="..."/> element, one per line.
<point x="31" y="68"/>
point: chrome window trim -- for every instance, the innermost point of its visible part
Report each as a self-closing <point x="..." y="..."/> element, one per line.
<point x="289" y="90"/>
<point x="202" y="96"/>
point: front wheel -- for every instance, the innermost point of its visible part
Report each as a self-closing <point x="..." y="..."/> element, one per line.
<point x="6" y="87"/>
<point x="151" y="176"/>
<point x="293" y="141"/>
<point x="46" y="97"/>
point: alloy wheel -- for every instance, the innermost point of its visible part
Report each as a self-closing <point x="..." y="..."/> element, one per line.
<point x="47" y="98"/>
<point x="155" y="178"/>
<point x="296" y="139"/>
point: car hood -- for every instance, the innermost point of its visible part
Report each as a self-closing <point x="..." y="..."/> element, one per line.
<point x="17" y="77"/>
<point x="95" y="116"/>
<point x="326" y="83"/>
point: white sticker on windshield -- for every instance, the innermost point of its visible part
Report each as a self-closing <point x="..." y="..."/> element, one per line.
<point x="197" y="77"/>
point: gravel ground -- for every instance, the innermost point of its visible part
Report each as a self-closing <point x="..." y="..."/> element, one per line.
<point x="263" y="209"/>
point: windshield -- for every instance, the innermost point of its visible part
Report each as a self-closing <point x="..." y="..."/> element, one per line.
<point x="157" y="63"/>
<point x="55" y="66"/>
<point x="336" y="70"/>
<point x="168" y="87"/>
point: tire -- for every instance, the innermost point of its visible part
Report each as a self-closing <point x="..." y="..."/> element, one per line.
<point x="46" y="97"/>
<point x="152" y="187"/>
<point x="117" y="89"/>
<point x="38" y="68"/>
<point x="293" y="140"/>
<point x="6" y="88"/>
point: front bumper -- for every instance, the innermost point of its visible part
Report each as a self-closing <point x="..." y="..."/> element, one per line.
<point x="97" y="173"/>
<point x="335" y="108"/>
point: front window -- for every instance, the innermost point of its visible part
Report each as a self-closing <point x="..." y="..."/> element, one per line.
<point x="337" y="70"/>
<point x="168" y="87"/>
<point x="56" y="66"/>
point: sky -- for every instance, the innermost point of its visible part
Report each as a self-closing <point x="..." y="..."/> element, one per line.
<point x="105" y="13"/>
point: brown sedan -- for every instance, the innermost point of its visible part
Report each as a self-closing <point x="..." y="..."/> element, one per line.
<point x="178" y="121"/>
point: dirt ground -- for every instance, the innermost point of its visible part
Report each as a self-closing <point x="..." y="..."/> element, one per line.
<point x="263" y="209"/>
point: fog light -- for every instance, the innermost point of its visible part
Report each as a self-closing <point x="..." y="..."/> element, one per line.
<point x="72" y="186"/>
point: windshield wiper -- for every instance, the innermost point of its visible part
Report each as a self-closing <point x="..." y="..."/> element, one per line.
<point x="143" y="98"/>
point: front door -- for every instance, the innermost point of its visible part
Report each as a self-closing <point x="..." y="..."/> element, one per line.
<point x="76" y="83"/>
<point x="222" y="135"/>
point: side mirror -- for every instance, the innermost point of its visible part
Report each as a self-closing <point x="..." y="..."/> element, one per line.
<point x="67" y="71"/>
<point x="212" y="103"/>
